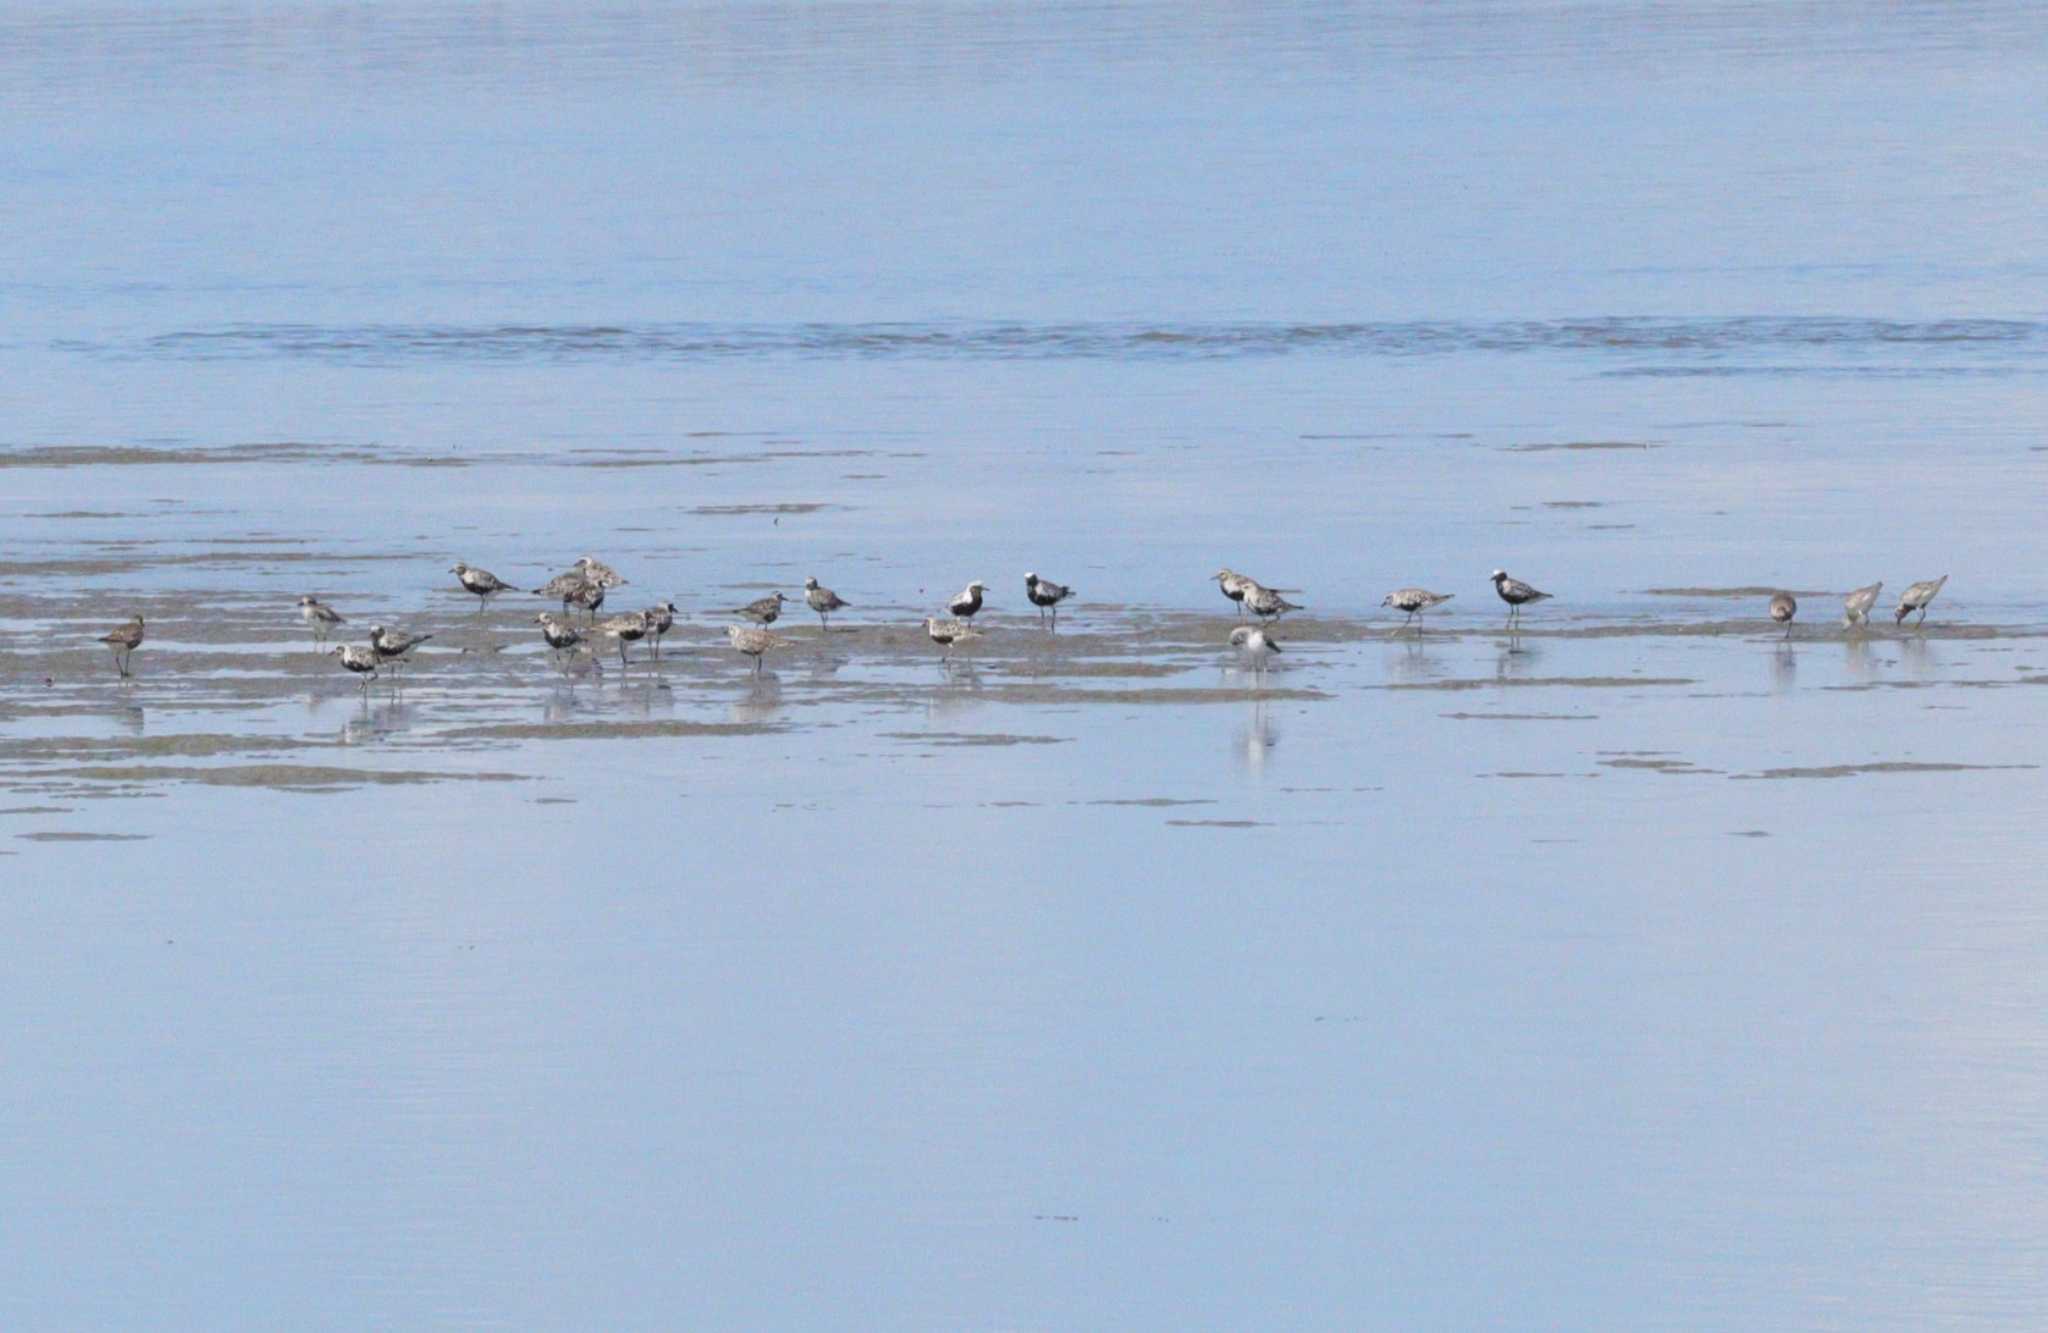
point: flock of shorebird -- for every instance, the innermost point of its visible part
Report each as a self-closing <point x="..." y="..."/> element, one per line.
<point x="585" y="584"/>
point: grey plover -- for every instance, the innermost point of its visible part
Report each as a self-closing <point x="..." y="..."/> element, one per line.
<point x="762" y="610"/>
<point x="1264" y="602"/>
<point x="322" y="617"/>
<point x="1046" y="596"/>
<point x="947" y="633"/>
<point x="589" y="596"/>
<point x="822" y="600"/>
<point x="753" y="642"/>
<point x="560" y="635"/>
<point x="628" y="628"/>
<point x="1856" y="606"/>
<point x="1516" y="594"/>
<point x="967" y="605"/>
<point x="1784" y="606"/>
<point x="123" y="641"/>
<point x="393" y="645"/>
<point x="361" y="661"/>
<point x="661" y="618"/>
<point x="1256" y="645"/>
<point x="563" y="586"/>
<point x="479" y="583"/>
<point x="1231" y="584"/>
<point x="1916" y="598"/>
<point x="1414" y="601"/>
<point x="598" y="572"/>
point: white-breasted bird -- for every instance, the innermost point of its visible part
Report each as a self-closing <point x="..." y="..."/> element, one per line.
<point x="1414" y="601"/>
<point x="1916" y="598"/>
<point x="1856" y="606"/>
<point x="1784" y="606"/>
<point x="322" y="617"/>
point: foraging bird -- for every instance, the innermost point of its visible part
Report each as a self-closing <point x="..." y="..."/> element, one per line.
<point x="598" y="572"/>
<point x="480" y="583"/>
<point x="1264" y="602"/>
<point x="1516" y="594"/>
<point x="661" y="618"/>
<point x="1046" y="595"/>
<point x="1856" y="606"/>
<point x="763" y="610"/>
<point x="1256" y="645"/>
<point x="753" y="642"/>
<point x="628" y="628"/>
<point x="946" y="633"/>
<point x="1232" y="585"/>
<point x="362" y="661"/>
<point x="392" y="646"/>
<point x="968" y="604"/>
<point x="822" y="600"/>
<point x="1916" y="598"/>
<point x="1783" y="607"/>
<point x="123" y="642"/>
<point x="1414" y="601"/>
<point x="565" y="586"/>
<point x="322" y="617"/>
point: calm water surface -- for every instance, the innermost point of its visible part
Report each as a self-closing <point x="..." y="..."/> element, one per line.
<point x="1640" y="973"/>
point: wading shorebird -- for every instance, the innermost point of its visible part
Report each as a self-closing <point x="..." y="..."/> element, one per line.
<point x="753" y="642"/>
<point x="361" y="661"/>
<point x="1414" y="601"/>
<point x="1264" y="602"/>
<point x="564" y="586"/>
<point x="1256" y="645"/>
<point x="946" y="633"/>
<point x="822" y="600"/>
<point x="1516" y="594"/>
<point x="589" y="596"/>
<point x="1856" y="606"/>
<point x="123" y="641"/>
<point x="661" y="618"/>
<point x="479" y="583"/>
<point x="559" y="634"/>
<point x="322" y="617"/>
<point x="393" y="645"/>
<point x="1916" y="598"/>
<point x="762" y="610"/>
<point x="1232" y="584"/>
<point x="1783" y="607"/>
<point x="1046" y="596"/>
<point x="628" y="628"/>
<point x="598" y="572"/>
<point x="968" y="604"/>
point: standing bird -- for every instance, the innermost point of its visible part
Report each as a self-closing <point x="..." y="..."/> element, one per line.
<point x="628" y="628"/>
<point x="561" y="636"/>
<point x="1046" y="596"/>
<point x="762" y="610"/>
<point x="392" y="646"/>
<point x="1856" y="606"/>
<point x="361" y="661"/>
<point x="598" y="572"/>
<point x="822" y="600"/>
<point x="753" y="642"/>
<point x="480" y="583"/>
<point x="1265" y="603"/>
<point x="589" y="596"/>
<point x="946" y="633"/>
<point x="123" y="642"/>
<point x="1414" y="601"/>
<point x="564" y="586"/>
<point x="661" y="618"/>
<point x="1916" y="598"/>
<point x="1783" y="607"/>
<point x="1256" y="645"/>
<point x="1516" y="594"/>
<point x="968" y="604"/>
<point x="1232" y="585"/>
<point x="322" y="617"/>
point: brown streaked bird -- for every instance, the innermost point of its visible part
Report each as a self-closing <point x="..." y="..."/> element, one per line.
<point x="322" y="617"/>
<point x="753" y="642"/>
<point x="564" y="586"/>
<point x="123" y="641"/>
<point x="762" y="610"/>
<point x="947" y="633"/>
<point x="1784" y="606"/>
<point x="589" y="596"/>
<point x="598" y="572"/>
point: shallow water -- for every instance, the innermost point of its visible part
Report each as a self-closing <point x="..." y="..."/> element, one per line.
<point x="1639" y="970"/>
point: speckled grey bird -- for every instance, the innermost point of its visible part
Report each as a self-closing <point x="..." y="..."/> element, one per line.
<point x="479" y="583"/>
<point x="967" y="605"/>
<point x="123" y="641"/>
<point x="628" y="628"/>
<point x="563" y="586"/>
<point x="361" y="661"/>
<point x="1256" y="645"/>
<point x="1516" y="594"/>
<point x="589" y="596"/>
<point x="559" y="634"/>
<point x="1856" y="606"/>
<point x="822" y="600"/>
<point x="1046" y="596"/>
<point x="753" y="642"/>
<point x="762" y="610"/>
<point x="1414" y="601"/>
<point x="1916" y="598"/>
<point x="393" y="645"/>
<point x="1783" y="607"/>
<point x="598" y="572"/>
<point x="1232" y="584"/>
<point x="322" y="617"/>
<point x="1264" y="602"/>
<point x="661" y="618"/>
<point x="947" y="633"/>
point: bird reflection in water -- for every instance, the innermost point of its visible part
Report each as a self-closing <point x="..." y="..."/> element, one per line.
<point x="1256" y="737"/>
